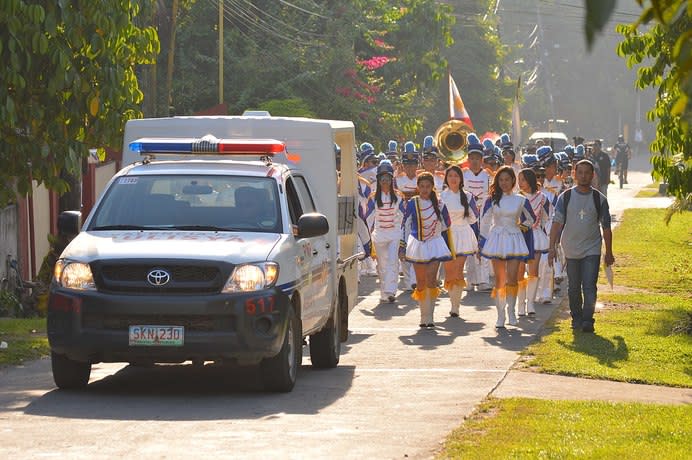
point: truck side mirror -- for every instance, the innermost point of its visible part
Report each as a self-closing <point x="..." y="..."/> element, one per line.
<point x="69" y="223"/>
<point x="312" y="224"/>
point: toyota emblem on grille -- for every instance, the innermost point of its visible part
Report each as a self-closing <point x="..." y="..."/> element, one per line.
<point x="158" y="277"/>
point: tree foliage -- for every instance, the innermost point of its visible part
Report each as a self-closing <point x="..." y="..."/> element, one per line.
<point x="372" y="61"/>
<point x="68" y="84"/>
<point x="663" y="54"/>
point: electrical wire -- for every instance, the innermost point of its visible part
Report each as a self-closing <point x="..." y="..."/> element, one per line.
<point x="312" y="13"/>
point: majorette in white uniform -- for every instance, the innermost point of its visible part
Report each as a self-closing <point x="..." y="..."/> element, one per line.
<point x="386" y="235"/>
<point x="501" y="237"/>
<point x="542" y="209"/>
<point x="462" y="232"/>
<point x="478" y="270"/>
<point x="428" y="241"/>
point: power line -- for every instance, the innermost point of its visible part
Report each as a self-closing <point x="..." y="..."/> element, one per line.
<point x="308" y="88"/>
<point x="312" y="13"/>
<point x="278" y="20"/>
<point x="253" y="21"/>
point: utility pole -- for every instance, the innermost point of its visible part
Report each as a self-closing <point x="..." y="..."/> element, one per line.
<point x="220" y="51"/>
<point x="544" y="55"/>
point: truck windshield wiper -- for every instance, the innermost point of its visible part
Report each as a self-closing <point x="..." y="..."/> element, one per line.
<point x="208" y="228"/>
<point x="123" y="227"/>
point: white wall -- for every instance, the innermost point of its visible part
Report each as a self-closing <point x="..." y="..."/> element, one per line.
<point x="8" y="236"/>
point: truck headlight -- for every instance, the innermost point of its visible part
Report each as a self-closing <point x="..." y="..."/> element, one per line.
<point x="74" y="275"/>
<point x="252" y="277"/>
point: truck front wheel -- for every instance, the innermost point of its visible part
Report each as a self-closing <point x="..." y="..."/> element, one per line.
<point x="69" y="374"/>
<point x="279" y="372"/>
<point x="325" y="346"/>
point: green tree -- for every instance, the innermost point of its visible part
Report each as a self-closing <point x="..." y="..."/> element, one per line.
<point x="68" y="84"/>
<point x="663" y="54"/>
<point x="371" y="61"/>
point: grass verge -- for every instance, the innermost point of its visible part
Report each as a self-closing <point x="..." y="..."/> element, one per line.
<point x="648" y="191"/>
<point x="527" y="428"/>
<point x="653" y="256"/>
<point x="635" y="341"/>
<point x="26" y="339"/>
<point x="642" y="334"/>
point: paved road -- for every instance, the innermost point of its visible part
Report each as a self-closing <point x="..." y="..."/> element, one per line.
<point x="397" y="393"/>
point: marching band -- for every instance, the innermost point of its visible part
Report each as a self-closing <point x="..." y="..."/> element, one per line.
<point x="446" y="225"/>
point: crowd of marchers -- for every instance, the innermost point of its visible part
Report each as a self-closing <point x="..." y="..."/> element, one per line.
<point x="515" y="226"/>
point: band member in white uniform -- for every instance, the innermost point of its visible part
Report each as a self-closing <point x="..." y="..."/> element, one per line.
<point x="407" y="184"/>
<point x="464" y="214"/>
<point x="509" y="155"/>
<point x="427" y="245"/>
<point x="430" y="162"/>
<point x="477" y="182"/>
<point x="551" y="186"/>
<point x="502" y="240"/>
<point x="386" y="209"/>
<point x="542" y="210"/>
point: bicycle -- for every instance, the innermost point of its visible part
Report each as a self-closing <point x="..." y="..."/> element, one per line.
<point x="17" y="296"/>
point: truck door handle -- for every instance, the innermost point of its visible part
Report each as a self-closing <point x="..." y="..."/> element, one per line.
<point x="315" y="252"/>
<point x="327" y="245"/>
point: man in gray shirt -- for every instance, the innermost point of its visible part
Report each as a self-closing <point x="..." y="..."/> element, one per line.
<point x="580" y="213"/>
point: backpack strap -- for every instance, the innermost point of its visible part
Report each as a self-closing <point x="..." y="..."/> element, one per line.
<point x="568" y="194"/>
<point x="597" y="203"/>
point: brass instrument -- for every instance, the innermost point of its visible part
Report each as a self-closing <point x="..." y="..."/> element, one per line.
<point x="450" y="139"/>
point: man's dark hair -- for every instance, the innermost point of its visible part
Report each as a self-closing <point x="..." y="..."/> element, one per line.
<point x="586" y="162"/>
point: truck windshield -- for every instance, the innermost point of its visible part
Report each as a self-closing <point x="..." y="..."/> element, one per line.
<point x="178" y="202"/>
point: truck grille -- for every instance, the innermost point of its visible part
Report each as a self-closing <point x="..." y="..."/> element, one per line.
<point x="183" y="277"/>
<point x="178" y="273"/>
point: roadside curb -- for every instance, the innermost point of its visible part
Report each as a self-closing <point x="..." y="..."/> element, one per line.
<point x="536" y="385"/>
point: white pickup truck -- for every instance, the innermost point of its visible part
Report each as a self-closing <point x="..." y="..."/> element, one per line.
<point x="227" y="239"/>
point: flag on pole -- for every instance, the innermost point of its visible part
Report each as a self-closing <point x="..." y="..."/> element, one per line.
<point x="457" y="111"/>
<point x="516" y="119"/>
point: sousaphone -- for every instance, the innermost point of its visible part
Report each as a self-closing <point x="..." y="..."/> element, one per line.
<point x="450" y="139"/>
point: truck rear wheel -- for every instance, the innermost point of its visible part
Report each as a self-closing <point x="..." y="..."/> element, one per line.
<point x="279" y="372"/>
<point x="69" y="374"/>
<point x="325" y="346"/>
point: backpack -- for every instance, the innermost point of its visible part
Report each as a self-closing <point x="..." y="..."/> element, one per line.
<point x="596" y="201"/>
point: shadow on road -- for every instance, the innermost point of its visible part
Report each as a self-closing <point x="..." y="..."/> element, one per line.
<point x="187" y="392"/>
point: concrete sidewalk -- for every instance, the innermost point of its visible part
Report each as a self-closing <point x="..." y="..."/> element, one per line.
<point x="557" y="387"/>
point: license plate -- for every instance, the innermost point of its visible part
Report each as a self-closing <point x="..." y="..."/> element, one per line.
<point x="159" y="336"/>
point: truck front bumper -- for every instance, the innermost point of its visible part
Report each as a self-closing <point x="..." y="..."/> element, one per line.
<point x="95" y="327"/>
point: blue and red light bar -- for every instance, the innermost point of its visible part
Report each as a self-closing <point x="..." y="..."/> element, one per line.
<point x="207" y="145"/>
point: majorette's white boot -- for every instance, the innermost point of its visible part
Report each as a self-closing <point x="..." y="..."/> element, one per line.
<point x="420" y="294"/>
<point x="500" y="306"/>
<point x="455" y="289"/>
<point x="512" y="290"/>
<point x="531" y="287"/>
<point x="521" y="298"/>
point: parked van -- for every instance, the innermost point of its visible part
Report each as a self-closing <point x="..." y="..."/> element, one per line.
<point x="554" y="139"/>
<point x="227" y="239"/>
